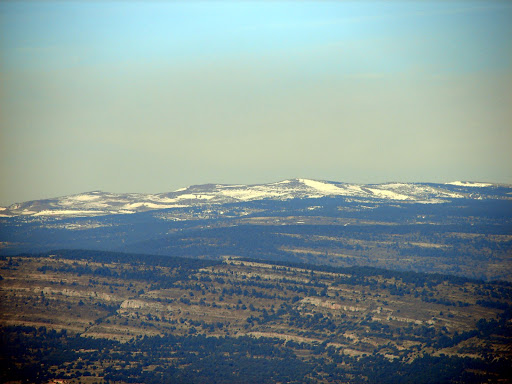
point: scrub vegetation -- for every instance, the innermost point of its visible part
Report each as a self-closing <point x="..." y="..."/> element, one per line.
<point x="103" y="317"/>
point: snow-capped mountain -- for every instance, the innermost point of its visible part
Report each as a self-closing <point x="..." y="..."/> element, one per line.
<point x="99" y="203"/>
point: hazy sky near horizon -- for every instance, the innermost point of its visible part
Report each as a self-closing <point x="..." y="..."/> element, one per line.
<point x="129" y="96"/>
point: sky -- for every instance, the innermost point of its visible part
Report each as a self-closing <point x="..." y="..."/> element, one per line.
<point x="152" y="96"/>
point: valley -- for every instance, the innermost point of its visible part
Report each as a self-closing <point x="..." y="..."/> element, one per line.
<point x="464" y="237"/>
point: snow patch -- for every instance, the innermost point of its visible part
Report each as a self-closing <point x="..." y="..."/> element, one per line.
<point x="395" y="185"/>
<point x="191" y="196"/>
<point x="385" y="194"/>
<point x="149" y="205"/>
<point x="453" y="195"/>
<point x="325" y="188"/>
<point x="132" y="205"/>
<point x="230" y="186"/>
<point x="251" y="193"/>
<point x="355" y="189"/>
<point x="84" y="197"/>
<point x="469" y="184"/>
<point x="67" y="212"/>
<point x="165" y="199"/>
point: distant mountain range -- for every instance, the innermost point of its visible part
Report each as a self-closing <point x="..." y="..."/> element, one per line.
<point x="97" y="203"/>
<point x="461" y="228"/>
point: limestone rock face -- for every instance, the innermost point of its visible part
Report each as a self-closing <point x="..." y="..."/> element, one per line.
<point x="134" y="304"/>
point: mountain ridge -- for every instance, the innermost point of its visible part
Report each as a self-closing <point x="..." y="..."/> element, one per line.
<point x="99" y="203"/>
<point x="458" y="228"/>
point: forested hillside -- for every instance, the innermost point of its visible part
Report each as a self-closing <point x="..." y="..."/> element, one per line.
<point x="97" y="317"/>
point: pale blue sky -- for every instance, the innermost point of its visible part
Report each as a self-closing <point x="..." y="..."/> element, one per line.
<point x="152" y="96"/>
